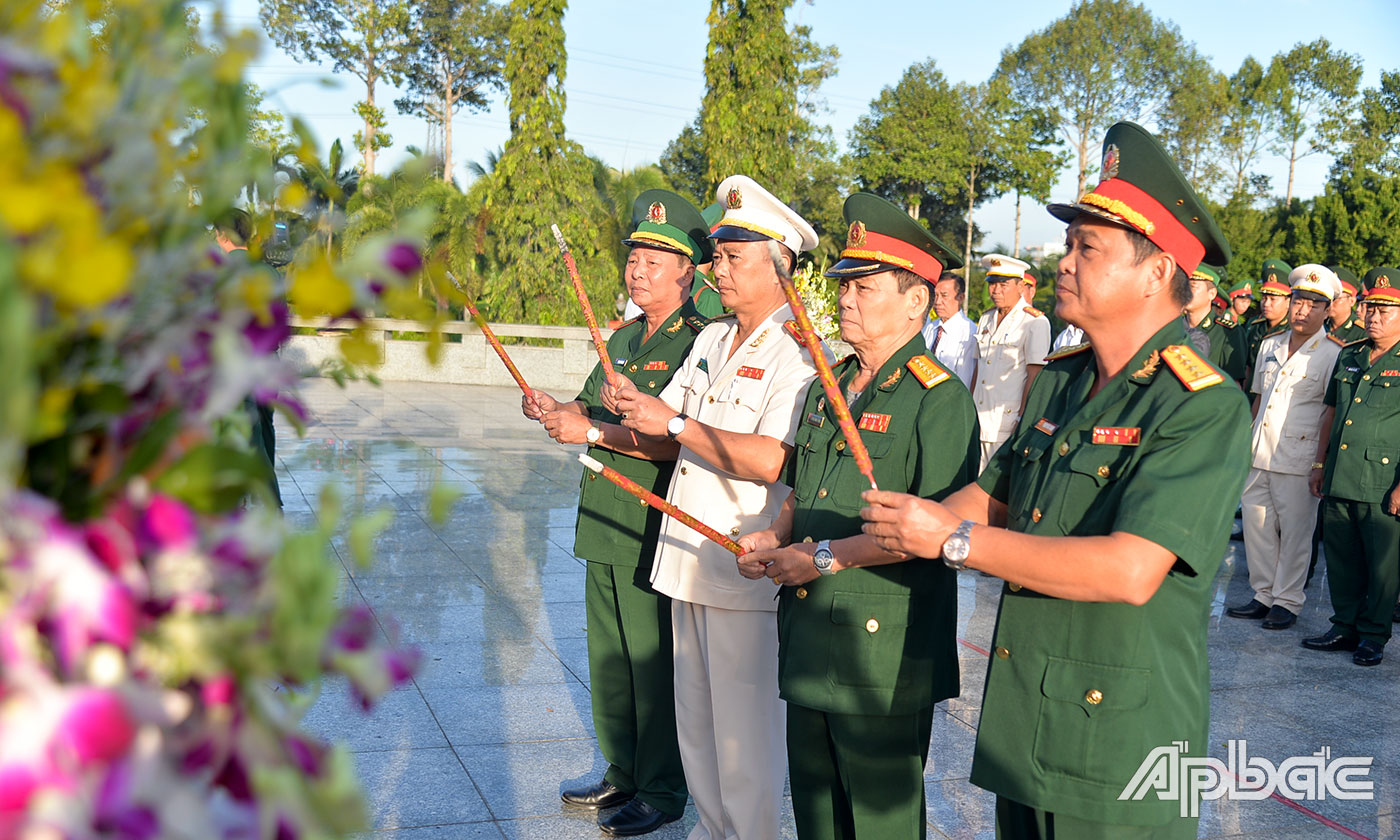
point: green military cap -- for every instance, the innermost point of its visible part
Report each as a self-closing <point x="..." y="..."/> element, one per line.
<point x="664" y="220"/>
<point x="1382" y="286"/>
<point x="1206" y="272"/>
<point x="712" y="215"/>
<point x="881" y="236"/>
<point x="1347" y="279"/>
<point x="1141" y="188"/>
<point x="1243" y="288"/>
<point x="1274" y="271"/>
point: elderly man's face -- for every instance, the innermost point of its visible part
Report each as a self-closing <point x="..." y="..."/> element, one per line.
<point x="743" y="273"/>
<point x="872" y="308"/>
<point x="1099" y="277"/>
<point x="1005" y="292"/>
<point x="1383" y="324"/>
<point x="1340" y="310"/>
<point x="657" y="278"/>
<point x="1274" y="308"/>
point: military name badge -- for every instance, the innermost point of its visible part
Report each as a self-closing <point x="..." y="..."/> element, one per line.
<point x="657" y="365"/>
<point x="751" y="372"/>
<point x="870" y="422"/>
<point x="619" y="362"/>
<point x="1044" y="425"/>
<point x="1118" y="435"/>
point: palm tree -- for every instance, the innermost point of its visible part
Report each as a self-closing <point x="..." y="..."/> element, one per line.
<point x="326" y="183"/>
<point x="618" y="188"/>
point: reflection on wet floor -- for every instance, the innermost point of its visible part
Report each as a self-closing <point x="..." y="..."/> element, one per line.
<point x="499" y="719"/>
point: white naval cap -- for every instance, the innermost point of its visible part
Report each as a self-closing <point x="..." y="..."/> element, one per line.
<point x="1318" y="279"/>
<point x="1000" y="265"/>
<point x="752" y="213"/>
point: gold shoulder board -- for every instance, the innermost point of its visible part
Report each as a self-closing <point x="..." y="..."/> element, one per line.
<point x="1193" y="371"/>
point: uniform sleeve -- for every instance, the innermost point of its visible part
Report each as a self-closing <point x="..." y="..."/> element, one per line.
<point x="592" y="389"/>
<point x="1235" y="353"/>
<point x="782" y="408"/>
<point x="1186" y="486"/>
<point x="1037" y="340"/>
<point x="946" y="449"/>
<point x="995" y="479"/>
<point x="1256" y="385"/>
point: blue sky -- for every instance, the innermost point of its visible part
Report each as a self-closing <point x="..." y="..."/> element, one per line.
<point x="635" y="70"/>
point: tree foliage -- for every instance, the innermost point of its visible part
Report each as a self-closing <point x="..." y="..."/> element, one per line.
<point x="1311" y="91"/>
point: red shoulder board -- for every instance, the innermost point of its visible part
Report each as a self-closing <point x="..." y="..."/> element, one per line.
<point x="1067" y="351"/>
<point x="791" y="328"/>
<point x="1340" y="342"/>
<point x="928" y="373"/>
<point x="1193" y="371"/>
<point x="1033" y="312"/>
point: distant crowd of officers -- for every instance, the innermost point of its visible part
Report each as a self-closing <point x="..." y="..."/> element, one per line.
<point x="1097" y="476"/>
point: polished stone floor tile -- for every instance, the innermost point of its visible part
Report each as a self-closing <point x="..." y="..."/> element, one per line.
<point x="419" y="788"/>
<point x="510" y="714"/>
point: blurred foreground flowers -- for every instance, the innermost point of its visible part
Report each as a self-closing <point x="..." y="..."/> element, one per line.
<point x="157" y="628"/>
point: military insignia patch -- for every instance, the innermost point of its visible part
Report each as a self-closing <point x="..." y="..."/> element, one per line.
<point x="1044" y="425"/>
<point x="656" y="365"/>
<point x="791" y="328"/>
<point x="815" y="419"/>
<point x="1149" y="367"/>
<point x="1033" y="312"/>
<point x="1111" y="158"/>
<point x="1193" y="371"/>
<point x="926" y="371"/>
<point x="751" y="372"/>
<point x="994" y="262"/>
<point x="656" y="213"/>
<point x="1117" y="435"/>
<point x="735" y="199"/>
<point x="855" y="236"/>
<point x="1273" y="278"/>
<point x="703" y="364"/>
<point x="874" y="422"/>
<point x="620" y="362"/>
<point x="1389" y="372"/>
<point x="676" y="326"/>
<point x="892" y="379"/>
<point x="1382" y="282"/>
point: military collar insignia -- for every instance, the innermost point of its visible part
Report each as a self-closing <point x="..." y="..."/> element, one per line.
<point x="735" y="199"/>
<point x="1111" y="159"/>
<point x="1149" y="366"/>
<point x="703" y="364"/>
<point x="656" y="213"/>
<point x="762" y="337"/>
<point x="855" y="236"/>
<point x="696" y="322"/>
<point x="679" y="321"/>
<point x="892" y="379"/>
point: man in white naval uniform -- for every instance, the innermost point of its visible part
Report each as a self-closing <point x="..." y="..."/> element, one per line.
<point x="1279" y="510"/>
<point x="949" y="333"/>
<point x="733" y="407"/>
<point x="1013" y="339"/>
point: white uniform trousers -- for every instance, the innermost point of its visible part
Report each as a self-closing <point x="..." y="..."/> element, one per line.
<point x="731" y="725"/>
<point x="1278" y="513"/>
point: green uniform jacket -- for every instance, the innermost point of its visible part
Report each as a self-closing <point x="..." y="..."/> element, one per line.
<point x="1255" y="332"/>
<point x="1363" y="454"/>
<point x="613" y="526"/>
<point x="880" y="640"/>
<point x="1078" y="693"/>
<point x="705" y="297"/>
<point x="1227" y="346"/>
<point x="1352" y="330"/>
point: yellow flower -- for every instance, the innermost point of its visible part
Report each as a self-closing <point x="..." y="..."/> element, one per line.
<point x="316" y="290"/>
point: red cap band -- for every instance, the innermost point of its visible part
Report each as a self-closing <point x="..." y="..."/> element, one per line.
<point x="1274" y="287"/>
<point x="1383" y="294"/>
<point x="1150" y="218"/>
<point x="887" y="249"/>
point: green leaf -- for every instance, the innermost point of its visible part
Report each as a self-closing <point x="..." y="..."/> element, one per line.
<point x="214" y="479"/>
<point x="363" y="530"/>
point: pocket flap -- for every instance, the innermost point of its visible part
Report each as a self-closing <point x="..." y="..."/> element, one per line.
<point x="1095" y="687"/>
<point x="1383" y="454"/>
<point x="859" y="609"/>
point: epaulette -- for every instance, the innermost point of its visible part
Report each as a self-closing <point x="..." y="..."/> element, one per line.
<point x="1193" y="371"/>
<point x="1358" y="341"/>
<point x="790" y="327"/>
<point x="1067" y="351"/>
<point x="1340" y="342"/>
<point x="724" y="316"/>
<point x="631" y="322"/>
<point x="1256" y="319"/>
<point x="1034" y="313"/>
<point x="1279" y="330"/>
<point x="697" y="322"/>
<point x="928" y="373"/>
<point x="1225" y="319"/>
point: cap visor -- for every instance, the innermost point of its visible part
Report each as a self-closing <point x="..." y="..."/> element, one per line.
<point x="1069" y="212"/>
<point x="851" y="267"/>
<point x="737" y="234"/>
<point x="653" y="245"/>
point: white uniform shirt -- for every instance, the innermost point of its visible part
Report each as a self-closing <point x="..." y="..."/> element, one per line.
<point x="957" y="348"/>
<point x="758" y="390"/>
<point x="1290" y="390"/>
<point x="1070" y="336"/>
<point x="1004" y="352"/>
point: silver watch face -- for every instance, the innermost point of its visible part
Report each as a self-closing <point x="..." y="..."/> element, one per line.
<point x="676" y="425"/>
<point x="594" y="434"/>
<point x="957" y="548"/>
<point x="822" y="559"/>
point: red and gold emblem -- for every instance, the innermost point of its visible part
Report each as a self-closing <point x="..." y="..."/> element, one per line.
<point x="1111" y="159"/>
<point x="1382" y="282"/>
<point x="855" y="236"/>
<point x="735" y="199"/>
<point x="656" y="213"/>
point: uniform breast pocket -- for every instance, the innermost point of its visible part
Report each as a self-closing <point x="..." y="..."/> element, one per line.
<point x="867" y="640"/>
<point x="1026" y="453"/>
<point x="849" y="483"/>
<point x="1268" y="374"/>
<point x="810" y="448"/>
<point x="1385" y="394"/>
<point x="1092" y="469"/>
<point x="1091" y="720"/>
<point x="1382" y="467"/>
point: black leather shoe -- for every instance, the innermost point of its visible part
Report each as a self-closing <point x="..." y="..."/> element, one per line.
<point x="1368" y="653"/>
<point x="635" y="818"/>
<point x="601" y="795"/>
<point x="1279" y="618"/>
<point x="1253" y="609"/>
<point x="1333" y="639"/>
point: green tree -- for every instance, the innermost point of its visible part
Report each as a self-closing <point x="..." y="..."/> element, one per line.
<point x="1312" y="90"/>
<point x="1106" y="60"/>
<point x="369" y="40"/>
<point x="687" y="168"/>
<point x="617" y="189"/>
<point x="328" y="184"/>
<point x="541" y="179"/>
<point x="1189" y="123"/>
<point x="458" y="60"/>
<point x="1243" y="129"/>
<point x="1031" y="160"/>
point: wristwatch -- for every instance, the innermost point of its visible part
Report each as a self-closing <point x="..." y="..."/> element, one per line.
<point x="675" y="426"/>
<point x="593" y="435"/>
<point x="958" y="546"/>
<point x="823" y="557"/>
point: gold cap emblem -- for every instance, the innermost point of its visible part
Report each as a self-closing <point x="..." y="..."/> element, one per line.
<point x="855" y="236"/>
<point x="994" y="262"/>
<point x="1382" y="282"/>
<point x="1111" y="159"/>
<point x="735" y="199"/>
<point x="656" y="213"/>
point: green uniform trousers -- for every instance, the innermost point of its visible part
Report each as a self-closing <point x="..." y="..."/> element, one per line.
<point x="858" y="775"/>
<point x="1363" y="566"/>
<point x="629" y="667"/>
<point x="1020" y="822"/>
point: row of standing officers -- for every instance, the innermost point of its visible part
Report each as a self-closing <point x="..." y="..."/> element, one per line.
<point x="1097" y="481"/>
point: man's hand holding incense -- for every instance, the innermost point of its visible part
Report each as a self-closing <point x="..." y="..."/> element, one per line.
<point x="566" y="426"/>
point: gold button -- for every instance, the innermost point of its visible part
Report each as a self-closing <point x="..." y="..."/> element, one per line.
<point x="1344" y="446"/>
<point x="1367" y="377"/>
<point x="1064" y="447"/>
<point x="1093" y="697"/>
<point x="633" y="368"/>
<point x="1036" y="515"/>
<point x="801" y="592"/>
<point x="734" y="532"/>
<point x="1026" y="451"/>
<point x="1358" y="399"/>
<point x="592" y="476"/>
<point x="1014" y="587"/>
<point x="1385" y="460"/>
<point x="642" y="502"/>
<point x="683" y="470"/>
<point x="840" y="446"/>
<point x="871" y="626"/>
<point x="1348" y="423"/>
<point x="1103" y="471"/>
<point x="821" y="494"/>
<point x="711" y="399"/>
<point x="806" y="539"/>
<point x="651" y="384"/>
<point x="1003" y="653"/>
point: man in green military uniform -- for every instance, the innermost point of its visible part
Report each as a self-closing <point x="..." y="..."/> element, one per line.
<point x="1274" y="297"/>
<point x="865" y="654"/>
<point x="629" y="624"/>
<point x="1342" y="319"/>
<point x="1107" y="513"/>
<point x="1358" y="477"/>
<point x="1241" y="296"/>
<point x="1226" y="344"/>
